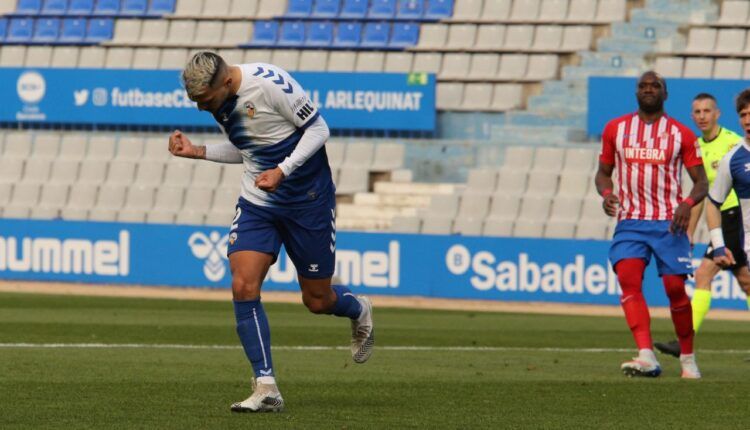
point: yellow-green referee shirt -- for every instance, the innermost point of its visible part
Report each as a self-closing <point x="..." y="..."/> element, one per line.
<point x="713" y="152"/>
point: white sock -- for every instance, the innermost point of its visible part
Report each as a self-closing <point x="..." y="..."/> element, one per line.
<point x="647" y="355"/>
<point x="266" y="380"/>
<point x="687" y="356"/>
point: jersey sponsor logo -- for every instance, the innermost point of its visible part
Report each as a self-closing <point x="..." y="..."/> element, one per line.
<point x="305" y="111"/>
<point x="646" y="155"/>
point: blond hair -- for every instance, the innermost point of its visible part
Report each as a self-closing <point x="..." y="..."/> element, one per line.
<point x="201" y="72"/>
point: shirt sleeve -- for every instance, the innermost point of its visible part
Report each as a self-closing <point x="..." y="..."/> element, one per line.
<point x="314" y="137"/>
<point x="224" y="152"/>
<point x="288" y="97"/>
<point x="690" y="149"/>
<point x="723" y="182"/>
<point x="607" y="155"/>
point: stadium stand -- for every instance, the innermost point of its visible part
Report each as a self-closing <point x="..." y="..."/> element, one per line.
<point x="521" y="63"/>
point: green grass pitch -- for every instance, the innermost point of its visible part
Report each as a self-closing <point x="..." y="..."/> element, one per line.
<point x="540" y="371"/>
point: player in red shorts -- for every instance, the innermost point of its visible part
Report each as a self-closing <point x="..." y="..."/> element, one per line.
<point x="648" y="150"/>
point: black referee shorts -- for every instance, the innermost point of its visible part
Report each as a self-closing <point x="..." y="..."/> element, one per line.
<point x="731" y="226"/>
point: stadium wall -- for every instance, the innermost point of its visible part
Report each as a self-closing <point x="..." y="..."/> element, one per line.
<point x="459" y="267"/>
<point x="610" y="98"/>
<point x="349" y="101"/>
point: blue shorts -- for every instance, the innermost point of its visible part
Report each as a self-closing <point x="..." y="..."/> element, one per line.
<point x="641" y="239"/>
<point x="308" y="235"/>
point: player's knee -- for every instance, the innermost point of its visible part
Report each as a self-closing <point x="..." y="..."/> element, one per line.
<point x="316" y="305"/>
<point x="245" y="288"/>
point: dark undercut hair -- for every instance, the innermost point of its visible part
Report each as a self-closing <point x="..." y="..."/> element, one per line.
<point x="743" y="100"/>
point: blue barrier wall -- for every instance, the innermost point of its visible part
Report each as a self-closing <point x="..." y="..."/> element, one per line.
<point x="509" y="269"/>
<point x="350" y="101"/>
<point x="613" y="97"/>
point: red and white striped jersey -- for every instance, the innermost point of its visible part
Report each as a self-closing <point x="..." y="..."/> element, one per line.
<point x="648" y="160"/>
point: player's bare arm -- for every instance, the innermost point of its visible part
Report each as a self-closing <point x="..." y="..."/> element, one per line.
<point x="181" y="146"/>
<point x="604" y="186"/>
<point x="681" y="218"/>
<point x="695" y="217"/>
<point x="270" y="180"/>
<point x="722" y="255"/>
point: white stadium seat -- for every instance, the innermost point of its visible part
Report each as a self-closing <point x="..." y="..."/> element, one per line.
<point x="547" y="38"/>
<point x="127" y="31"/>
<point x="582" y="10"/>
<point x="734" y="12"/>
<point x="524" y="11"/>
<point x="427" y="62"/>
<point x="38" y="56"/>
<point x="489" y="37"/>
<point x="433" y="36"/>
<point x="461" y="36"/>
<point x="611" y="11"/>
<point x="467" y="10"/>
<point x="696" y="67"/>
<point x="189" y="8"/>
<point x="477" y="97"/>
<point x="496" y="10"/>
<point x="398" y="62"/>
<point x="449" y="95"/>
<point x="65" y="56"/>
<point x="455" y="65"/>
<point x="518" y="37"/>
<point x="730" y="41"/>
<point x="701" y="40"/>
<point x="243" y="8"/>
<point x="669" y="67"/>
<point x="154" y="31"/>
<point x="728" y="68"/>
<point x="552" y="11"/>
<point x="507" y="97"/>
<point x="12" y="56"/>
<point x="483" y="66"/>
<point x="216" y="8"/>
<point x="341" y="61"/>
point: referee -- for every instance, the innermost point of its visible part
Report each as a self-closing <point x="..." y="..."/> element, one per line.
<point x="715" y="142"/>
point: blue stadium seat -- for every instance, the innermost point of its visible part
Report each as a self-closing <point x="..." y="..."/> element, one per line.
<point x="376" y="34"/>
<point x="265" y="33"/>
<point x="348" y="34"/>
<point x="292" y="34"/>
<point x="410" y="9"/>
<point x="54" y="7"/>
<point x="80" y="7"/>
<point x="299" y="8"/>
<point x="354" y="9"/>
<point x="46" y="30"/>
<point x="20" y="30"/>
<point x="73" y="30"/>
<point x="161" y="7"/>
<point x="28" y="7"/>
<point x="326" y="8"/>
<point x="319" y="34"/>
<point x="439" y="9"/>
<point x="3" y="28"/>
<point x="404" y="34"/>
<point x="134" y="7"/>
<point x="382" y="9"/>
<point x="107" y="7"/>
<point x="100" y="29"/>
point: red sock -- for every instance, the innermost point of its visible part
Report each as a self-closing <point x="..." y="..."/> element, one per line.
<point x="682" y="312"/>
<point x="630" y="274"/>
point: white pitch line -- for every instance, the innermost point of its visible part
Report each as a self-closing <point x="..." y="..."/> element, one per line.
<point x="338" y="348"/>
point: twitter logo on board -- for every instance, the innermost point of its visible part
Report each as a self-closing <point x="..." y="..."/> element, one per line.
<point x="81" y="97"/>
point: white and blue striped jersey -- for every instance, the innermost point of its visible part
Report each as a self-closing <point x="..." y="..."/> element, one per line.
<point x="265" y="120"/>
<point x="734" y="173"/>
